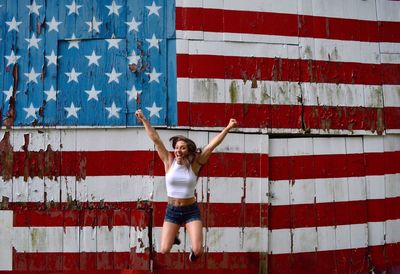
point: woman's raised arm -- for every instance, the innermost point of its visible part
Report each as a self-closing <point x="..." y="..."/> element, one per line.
<point x="205" y="154"/>
<point x="153" y="135"/>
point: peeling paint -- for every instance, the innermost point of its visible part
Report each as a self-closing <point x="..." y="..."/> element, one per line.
<point x="233" y="90"/>
<point x="6" y="157"/>
<point x="207" y="88"/>
<point x="308" y="53"/>
<point x="380" y="126"/>
<point x="265" y="97"/>
<point x="10" y="116"/>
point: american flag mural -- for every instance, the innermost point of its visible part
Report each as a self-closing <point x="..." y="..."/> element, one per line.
<point x="308" y="183"/>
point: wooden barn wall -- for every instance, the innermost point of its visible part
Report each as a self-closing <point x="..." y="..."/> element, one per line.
<point x="309" y="182"/>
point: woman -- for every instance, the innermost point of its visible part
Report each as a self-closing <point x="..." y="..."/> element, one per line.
<point x="181" y="172"/>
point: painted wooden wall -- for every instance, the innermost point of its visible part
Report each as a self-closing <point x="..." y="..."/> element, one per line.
<point x="308" y="183"/>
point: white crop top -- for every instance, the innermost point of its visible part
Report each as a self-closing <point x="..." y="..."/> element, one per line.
<point x="180" y="181"/>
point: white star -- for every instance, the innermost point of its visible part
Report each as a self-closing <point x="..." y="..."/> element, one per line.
<point x="12" y="58"/>
<point x="72" y="110"/>
<point x="154" y="75"/>
<point x="113" y="111"/>
<point x="9" y="93"/>
<point x="154" y="110"/>
<point x="31" y="111"/>
<point x="73" y="42"/>
<point x="33" y="41"/>
<point x="32" y="76"/>
<point x="52" y="58"/>
<point x="51" y="94"/>
<point x="93" y="93"/>
<point x="73" y="8"/>
<point x="154" y="41"/>
<point x="133" y="93"/>
<point x="153" y="9"/>
<point x="34" y="8"/>
<point x="73" y="75"/>
<point x="113" y="76"/>
<point x="13" y="25"/>
<point x="113" y="43"/>
<point x="113" y="8"/>
<point x="93" y="59"/>
<point x="133" y="59"/>
<point x="94" y="24"/>
<point x="133" y="25"/>
<point x="53" y="25"/>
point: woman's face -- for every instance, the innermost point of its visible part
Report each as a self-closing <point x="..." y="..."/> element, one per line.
<point x="181" y="151"/>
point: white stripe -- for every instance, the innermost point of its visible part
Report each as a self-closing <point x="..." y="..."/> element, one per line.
<point x="222" y="239"/>
<point x="339" y="50"/>
<point x="364" y="10"/>
<point x="6" y="222"/>
<point x="236" y="37"/>
<point x="390" y="53"/>
<point x="318" y="146"/>
<point x="391" y="95"/>
<point x="237" y="49"/>
<point x="131" y="139"/>
<point x="75" y="239"/>
<point x="303" y="191"/>
<point x="392" y="186"/>
<point x="390" y="58"/>
<point x="198" y="90"/>
<point x="323" y="238"/>
<point x="373" y="144"/>
<point x="269" y="46"/>
<point x="376" y="233"/>
<point x="391" y="142"/>
<point x="388" y="10"/>
<point x="134" y="188"/>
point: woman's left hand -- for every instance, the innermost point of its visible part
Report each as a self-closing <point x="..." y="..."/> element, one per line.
<point x="232" y="123"/>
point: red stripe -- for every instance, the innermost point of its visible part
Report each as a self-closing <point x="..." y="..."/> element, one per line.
<point x="334" y="261"/>
<point x="108" y="163"/>
<point x="235" y="215"/>
<point x="247" y="115"/>
<point x="101" y="262"/>
<point x="224" y="262"/>
<point x="282" y="69"/>
<point x="332" y="166"/>
<point x="268" y="23"/>
<point x="287" y="116"/>
<point x="361" y="260"/>
<point x="347" y="118"/>
<point x="383" y="258"/>
<point x="105" y="262"/>
<point x="82" y="217"/>
<point x="124" y="214"/>
<point x="334" y="213"/>
<point x="392" y="120"/>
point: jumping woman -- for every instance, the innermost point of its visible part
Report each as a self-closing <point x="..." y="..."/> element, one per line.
<point x="181" y="171"/>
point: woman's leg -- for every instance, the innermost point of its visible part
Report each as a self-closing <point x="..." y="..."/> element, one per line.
<point x="168" y="233"/>
<point x="195" y="230"/>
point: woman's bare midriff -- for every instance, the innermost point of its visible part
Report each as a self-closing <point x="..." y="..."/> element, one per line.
<point x="181" y="202"/>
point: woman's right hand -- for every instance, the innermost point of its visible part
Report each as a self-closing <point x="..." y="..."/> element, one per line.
<point x="139" y="115"/>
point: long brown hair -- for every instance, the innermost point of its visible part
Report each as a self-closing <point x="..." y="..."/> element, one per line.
<point x="193" y="150"/>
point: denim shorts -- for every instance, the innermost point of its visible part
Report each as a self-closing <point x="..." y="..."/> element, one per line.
<point x="181" y="215"/>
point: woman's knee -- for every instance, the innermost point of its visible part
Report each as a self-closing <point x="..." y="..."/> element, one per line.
<point x="197" y="250"/>
<point x="165" y="249"/>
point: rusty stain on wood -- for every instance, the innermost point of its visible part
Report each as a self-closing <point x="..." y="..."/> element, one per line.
<point x="6" y="157"/>
<point x="10" y="116"/>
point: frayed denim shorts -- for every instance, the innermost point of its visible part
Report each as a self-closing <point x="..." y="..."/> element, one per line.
<point x="181" y="215"/>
